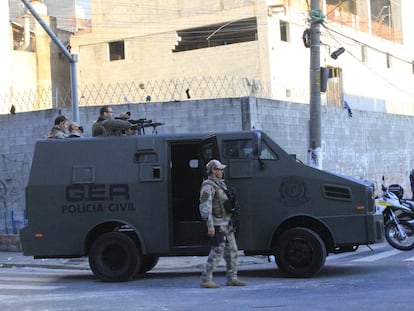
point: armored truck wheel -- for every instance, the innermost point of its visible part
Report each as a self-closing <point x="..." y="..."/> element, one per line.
<point x="114" y="257"/>
<point x="300" y="252"/>
<point x="148" y="263"/>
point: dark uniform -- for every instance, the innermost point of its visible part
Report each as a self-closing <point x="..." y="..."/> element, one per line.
<point x="109" y="127"/>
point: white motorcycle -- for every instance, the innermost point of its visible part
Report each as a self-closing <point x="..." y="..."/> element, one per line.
<point x="399" y="231"/>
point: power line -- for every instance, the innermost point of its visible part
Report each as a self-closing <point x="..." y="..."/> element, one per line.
<point x="367" y="45"/>
<point x="383" y="77"/>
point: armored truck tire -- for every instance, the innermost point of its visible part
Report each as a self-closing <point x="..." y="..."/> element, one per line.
<point x="114" y="257"/>
<point x="300" y="252"/>
<point x="148" y="263"/>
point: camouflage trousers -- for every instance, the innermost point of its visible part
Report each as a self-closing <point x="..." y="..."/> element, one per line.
<point x="228" y="248"/>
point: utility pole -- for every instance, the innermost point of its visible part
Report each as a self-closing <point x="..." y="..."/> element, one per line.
<point x="72" y="58"/>
<point x="315" y="150"/>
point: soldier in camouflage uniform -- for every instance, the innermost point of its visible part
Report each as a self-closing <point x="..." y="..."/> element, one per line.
<point x="219" y="228"/>
<point x="59" y="129"/>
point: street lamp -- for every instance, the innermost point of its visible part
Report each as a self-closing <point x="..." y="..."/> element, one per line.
<point x="338" y="52"/>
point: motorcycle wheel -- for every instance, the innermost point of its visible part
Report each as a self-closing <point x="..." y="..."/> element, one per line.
<point x="403" y="243"/>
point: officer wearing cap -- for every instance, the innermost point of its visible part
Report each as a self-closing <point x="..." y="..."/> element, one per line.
<point x="219" y="228"/>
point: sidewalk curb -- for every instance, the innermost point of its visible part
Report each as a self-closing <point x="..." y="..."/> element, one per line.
<point x="165" y="263"/>
<point x="48" y="266"/>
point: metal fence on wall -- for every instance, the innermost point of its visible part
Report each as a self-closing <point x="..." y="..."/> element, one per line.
<point x="32" y="100"/>
<point x="121" y="93"/>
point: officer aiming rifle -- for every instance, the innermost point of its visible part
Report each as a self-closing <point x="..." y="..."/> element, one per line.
<point x="138" y="125"/>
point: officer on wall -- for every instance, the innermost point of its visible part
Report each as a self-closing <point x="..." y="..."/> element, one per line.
<point x="59" y="129"/>
<point x="106" y="125"/>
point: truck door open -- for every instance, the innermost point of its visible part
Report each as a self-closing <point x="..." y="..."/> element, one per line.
<point x="187" y="173"/>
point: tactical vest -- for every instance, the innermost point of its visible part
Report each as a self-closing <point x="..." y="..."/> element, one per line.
<point x="98" y="129"/>
<point x="219" y="198"/>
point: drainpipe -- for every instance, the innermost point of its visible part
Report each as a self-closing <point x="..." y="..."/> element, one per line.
<point x="72" y="58"/>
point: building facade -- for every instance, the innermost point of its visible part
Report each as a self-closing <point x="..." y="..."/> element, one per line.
<point x="261" y="43"/>
<point x="181" y="49"/>
<point x="35" y="74"/>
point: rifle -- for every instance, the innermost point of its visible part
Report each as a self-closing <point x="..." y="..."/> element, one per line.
<point x="138" y="125"/>
<point x="232" y="207"/>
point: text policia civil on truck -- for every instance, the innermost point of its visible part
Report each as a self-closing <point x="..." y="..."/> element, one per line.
<point x="105" y="204"/>
<point x="97" y="198"/>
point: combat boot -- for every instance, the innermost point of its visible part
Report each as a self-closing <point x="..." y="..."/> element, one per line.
<point x="209" y="284"/>
<point x="235" y="282"/>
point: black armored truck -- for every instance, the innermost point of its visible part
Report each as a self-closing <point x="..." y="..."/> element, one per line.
<point x="125" y="201"/>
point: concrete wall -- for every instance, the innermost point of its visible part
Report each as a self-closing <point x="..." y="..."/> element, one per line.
<point x="367" y="146"/>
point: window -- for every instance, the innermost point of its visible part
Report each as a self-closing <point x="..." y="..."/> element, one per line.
<point x="386" y="21"/>
<point x="382" y="19"/>
<point x="381" y="12"/>
<point x="334" y="93"/>
<point x="116" y="50"/>
<point x="208" y="151"/>
<point x="237" y="149"/>
<point x="284" y="31"/>
<point x="243" y="149"/>
<point x="351" y="13"/>
<point x="231" y="32"/>
<point x="266" y="153"/>
<point x="341" y="5"/>
<point x="19" y="38"/>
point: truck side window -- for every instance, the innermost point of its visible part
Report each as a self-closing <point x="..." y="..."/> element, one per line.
<point x="266" y="153"/>
<point x="243" y="149"/>
<point x="208" y="152"/>
<point x="237" y="149"/>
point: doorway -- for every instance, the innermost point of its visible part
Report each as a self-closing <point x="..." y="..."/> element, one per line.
<point x="187" y="169"/>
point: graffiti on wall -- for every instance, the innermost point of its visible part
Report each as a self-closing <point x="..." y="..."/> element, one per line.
<point x="369" y="164"/>
<point x="13" y="179"/>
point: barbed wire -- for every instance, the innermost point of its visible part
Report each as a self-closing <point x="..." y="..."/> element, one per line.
<point x="194" y="88"/>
